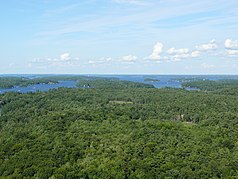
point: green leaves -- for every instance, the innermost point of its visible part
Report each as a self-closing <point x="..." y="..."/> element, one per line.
<point x="119" y="133"/>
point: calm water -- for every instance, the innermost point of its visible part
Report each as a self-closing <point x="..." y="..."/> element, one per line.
<point x="165" y="81"/>
<point x="173" y="81"/>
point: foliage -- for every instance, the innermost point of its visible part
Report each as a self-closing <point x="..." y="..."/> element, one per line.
<point x="219" y="87"/>
<point x="123" y="131"/>
<point x="10" y="82"/>
<point x="110" y="83"/>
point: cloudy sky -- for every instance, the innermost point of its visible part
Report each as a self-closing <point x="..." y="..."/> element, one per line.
<point x="119" y="36"/>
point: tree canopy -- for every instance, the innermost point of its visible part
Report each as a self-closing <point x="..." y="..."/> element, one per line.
<point x="119" y="129"/>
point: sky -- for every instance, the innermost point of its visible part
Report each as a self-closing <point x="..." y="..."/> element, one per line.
<point x="119" y="37"/>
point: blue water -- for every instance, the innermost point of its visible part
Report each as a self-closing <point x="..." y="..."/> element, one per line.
<point x="165" y="81"/>
<point x="173" y="81"/>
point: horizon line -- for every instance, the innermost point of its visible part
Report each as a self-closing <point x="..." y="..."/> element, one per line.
<point x="117" y="74"/>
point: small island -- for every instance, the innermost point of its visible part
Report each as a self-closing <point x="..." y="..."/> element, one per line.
<point x="151" y="80"/>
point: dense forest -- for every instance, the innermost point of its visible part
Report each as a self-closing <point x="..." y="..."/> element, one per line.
<point x="120" y="129"/>
<point x="228" y="86"/>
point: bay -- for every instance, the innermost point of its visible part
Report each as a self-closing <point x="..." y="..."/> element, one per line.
<point x="173" y="81"/>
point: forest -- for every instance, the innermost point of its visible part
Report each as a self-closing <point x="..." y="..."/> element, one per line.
<point x="228" y="86"/>
<point x="121" y="129"/>
<point x="10" y="82"/>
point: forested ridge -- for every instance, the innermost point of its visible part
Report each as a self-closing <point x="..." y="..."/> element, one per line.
<point x="128" y="130"/>
<point x="228" y="86"/>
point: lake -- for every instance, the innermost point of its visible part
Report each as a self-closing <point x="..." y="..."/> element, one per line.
<point x="173" y="81"/>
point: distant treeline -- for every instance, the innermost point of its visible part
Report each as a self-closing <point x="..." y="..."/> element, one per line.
<point x="220" y="86"/>
<point x="111" y="83"/>
<point x="10" y="82"/>
<point x="151" y="80"/>
<point x="82" y="81"/>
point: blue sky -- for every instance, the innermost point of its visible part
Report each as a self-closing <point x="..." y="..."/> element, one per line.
<point x="119" y="37"/>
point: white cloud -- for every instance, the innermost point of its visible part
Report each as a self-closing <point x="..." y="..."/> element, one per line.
<point x="103" y="60"/>
<point x="209" y="46"/>
<point x="65" y="57"/>
<point x="178" y="57"/>
<point x="62" y="61"/>
<point x="108" y="59"/>
<point x="231" y="47"/>
<point x="92" y="62"/>
<point x="178" y="51"/>
<point x="129" y="59"/>
<point x="195" y="53"/>
<point x="182" y="53"/>
<point x="172" y="54"/>
<point x="232" y="52"/>
<point x="231" y="44"/>
<point x="157" y="50"/>
<point x="207" y="66"/>
<point x="175" y="59"/>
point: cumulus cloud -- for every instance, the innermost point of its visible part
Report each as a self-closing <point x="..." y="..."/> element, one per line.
<point x="209" y="46"/>
<point x="178" y="54"/>
<point x="195" y="53"/>
<point x="178" y="51"/>
<point x="65" y="57"/>
<point x="63" y="60"/>
<point x="232" y="52"/>
<point x="157" y="50"/>
<point x="231" y="47"/>
<point x="129" y="59"/>
<point x="182" y="53"/>
<point x="172" y="54"/>
<point x="103" y="60"/>
<point x="231" y="44"/>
